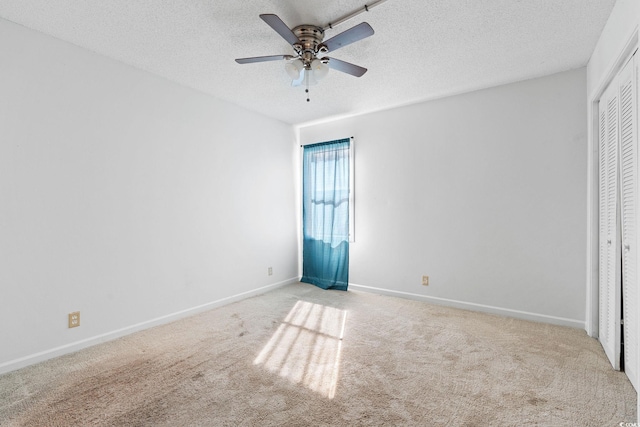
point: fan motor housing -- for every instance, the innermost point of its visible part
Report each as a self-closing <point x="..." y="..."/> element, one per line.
<point x="310" y="37"/>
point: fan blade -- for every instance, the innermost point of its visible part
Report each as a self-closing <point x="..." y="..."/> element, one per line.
<point x="346" y="67"/>
<point x="280" y="27"/>
<point x="352" y="35"/>
<point x="261" y="59"/>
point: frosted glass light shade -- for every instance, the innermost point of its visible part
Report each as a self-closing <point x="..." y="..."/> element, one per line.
<point x="320" y="69"/>
<point x="293" y="68"/>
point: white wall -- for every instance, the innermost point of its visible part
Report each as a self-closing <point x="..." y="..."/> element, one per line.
<point x="484" y="192"/>
<point x="128" y="198"/>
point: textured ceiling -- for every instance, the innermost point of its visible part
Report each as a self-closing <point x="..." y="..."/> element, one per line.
<point x="421" y="49"/>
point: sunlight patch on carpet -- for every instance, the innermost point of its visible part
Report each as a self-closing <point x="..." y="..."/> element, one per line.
<point x="306" y="347"/>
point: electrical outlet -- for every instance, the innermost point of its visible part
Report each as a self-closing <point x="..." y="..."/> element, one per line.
<point x="425" y="280"/>
<point x="270" y="271"/>
<point x="74" y="319"/>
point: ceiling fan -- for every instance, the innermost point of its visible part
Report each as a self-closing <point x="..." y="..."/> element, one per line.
<point x="309" y="62"/>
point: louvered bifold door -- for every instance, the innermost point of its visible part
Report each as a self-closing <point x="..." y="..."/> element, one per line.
<point x="603" y="327"/>
<point x="609" y="317"/>
<point x="628" y="214"/>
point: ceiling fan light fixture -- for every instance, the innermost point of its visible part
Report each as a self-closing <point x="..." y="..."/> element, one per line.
<point x="293" y="68"/>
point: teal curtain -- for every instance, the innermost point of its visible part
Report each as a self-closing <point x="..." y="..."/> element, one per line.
<point x="325" y="214"/>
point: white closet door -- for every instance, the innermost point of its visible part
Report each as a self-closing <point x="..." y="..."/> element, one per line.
<point x="609" y="328"/>
<point x="603" y="317"/>
<point x="628" y="214"/>
<point x="603" y="334"/>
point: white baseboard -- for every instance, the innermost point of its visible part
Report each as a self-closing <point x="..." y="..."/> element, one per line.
<point x="507" y="312"/>
<point x="22" y="362"/>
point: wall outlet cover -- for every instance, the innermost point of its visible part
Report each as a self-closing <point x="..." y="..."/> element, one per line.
<point x="74" y="319"/>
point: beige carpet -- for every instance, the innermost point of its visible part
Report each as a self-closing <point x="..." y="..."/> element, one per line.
<point x="279" y="360"/>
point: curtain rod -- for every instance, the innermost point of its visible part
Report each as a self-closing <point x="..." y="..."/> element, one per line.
<point x="302" y="145"/>
<point x="366" y="8"/>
